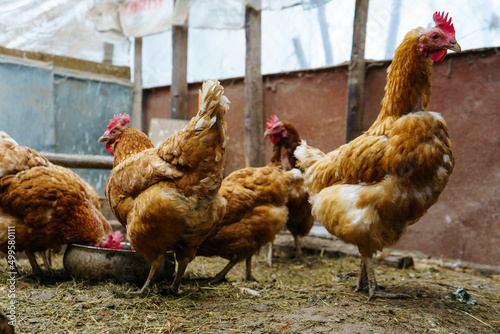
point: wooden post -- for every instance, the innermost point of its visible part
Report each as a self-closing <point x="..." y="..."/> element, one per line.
<point x="137" y="102"/>
<point x="356" y="81"/>
<point x="80" y="161"/>
<point x="254" y="109"/>
<point x="179" y="88"/>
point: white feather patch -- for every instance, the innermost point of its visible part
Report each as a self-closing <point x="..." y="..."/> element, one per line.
<point x="213" y="120"/>
<point x="295" y="173"/>
<point x="300" y="152"/>
<point x="436" y="115"/>
<point x="200" y="124"/>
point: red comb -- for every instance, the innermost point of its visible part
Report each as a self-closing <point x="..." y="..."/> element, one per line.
<point x="119" y="120"/>
<point x="272" y="121"/>
<point x="443" y="23"/>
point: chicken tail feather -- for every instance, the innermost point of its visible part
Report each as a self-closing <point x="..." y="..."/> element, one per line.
<point x="212" y="105"/>
<point x="205" y="136"/>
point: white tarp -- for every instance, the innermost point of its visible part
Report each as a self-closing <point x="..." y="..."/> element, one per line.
<point x="296" y="34"/>
<point x="59" y="27"/>
<point x="295" y="38"/>
<point x="146" y="17"/>
<point x="221" y="14"/>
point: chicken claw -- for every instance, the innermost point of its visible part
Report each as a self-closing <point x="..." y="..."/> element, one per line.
<point x="366" y="279"/>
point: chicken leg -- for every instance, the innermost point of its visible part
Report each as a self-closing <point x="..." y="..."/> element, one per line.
<point x="47" y="260"/>
<point x="374" y="291"/>
<point x="249" y="276"/>
<point x="362" y="277"/>
<point x="221" y="276"/>
<point x="270" y="251"/>
<point x="181" y="268"/>
<point x="37" y="272"/>
<point x="154" y="267"/>
<point x="298" y="251"/>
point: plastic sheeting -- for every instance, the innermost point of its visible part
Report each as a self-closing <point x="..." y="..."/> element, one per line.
<point x="300" y="37"/>
<point x="59" y="27"/>
<point x="146" y="17"/>
<point x="296" y="34"/>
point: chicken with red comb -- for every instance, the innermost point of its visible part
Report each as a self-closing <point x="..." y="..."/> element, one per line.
<point x="435" y="42"/>
<point x="167" y="197"/>
<point x="370" y="190"/>
<point x="123" y="141"/>
<point x="285" y="138"/>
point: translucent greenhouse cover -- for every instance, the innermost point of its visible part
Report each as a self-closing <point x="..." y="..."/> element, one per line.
<point x="295" y="34"/>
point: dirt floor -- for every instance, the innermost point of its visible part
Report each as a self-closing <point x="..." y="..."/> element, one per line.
<point x="291" y="297"/>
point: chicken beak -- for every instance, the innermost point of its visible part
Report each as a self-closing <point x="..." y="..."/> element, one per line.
<point x="455" y="46"/>
<point x="103" y="139"/>
<point x="267" y="133"/>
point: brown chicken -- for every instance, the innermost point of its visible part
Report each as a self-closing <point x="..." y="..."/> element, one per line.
<point x="368" y="192"/>
<point x="285" y="139"/>
<point x="47" y="205"/>
<point x="256" y="210"/>
<point x="168" y="196"/>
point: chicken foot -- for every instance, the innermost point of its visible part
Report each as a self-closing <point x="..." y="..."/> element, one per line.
<point x="181" y="268"/>
<point x="221" y="276"/>
<point x="374" y="290"/>
<point x="249" y="276"/>
<point x="366" y="279"/>
<point x="298" y="251"/>
<point x="37" y="272"/>
<point x="362" y="276"/>
<point x="47" y="260"/>
<point x="154" y="267"/>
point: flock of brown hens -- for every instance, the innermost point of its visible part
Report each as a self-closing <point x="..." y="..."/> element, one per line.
<point x="173" y="197"/>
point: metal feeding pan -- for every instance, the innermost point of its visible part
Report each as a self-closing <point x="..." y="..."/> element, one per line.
<point x="121" y="265"/>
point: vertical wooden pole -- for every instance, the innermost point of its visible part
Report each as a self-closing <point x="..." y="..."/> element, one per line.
<point x="136" y="121"/>
<point x="179" y="86"/>
<point x="356" y="81"/>
<point x="254" y="109"/>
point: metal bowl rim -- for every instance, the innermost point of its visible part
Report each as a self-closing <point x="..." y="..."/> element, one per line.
<point x="104" y="249"/>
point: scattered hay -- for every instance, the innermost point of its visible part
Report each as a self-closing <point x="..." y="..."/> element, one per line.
<point x="289" y="298"/>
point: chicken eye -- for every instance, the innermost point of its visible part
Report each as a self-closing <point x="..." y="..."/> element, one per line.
<point x="435" y="36"/>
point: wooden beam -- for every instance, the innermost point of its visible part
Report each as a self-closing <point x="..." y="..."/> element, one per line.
<point x="136" y="121"/>
<point x="179" y="86"/>
<point x="254" y="109"/>
<point x="80" y="161"/>
<point x="356" y="81"/>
